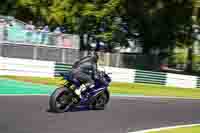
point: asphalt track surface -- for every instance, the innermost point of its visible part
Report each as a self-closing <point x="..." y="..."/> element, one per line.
<point x="29" y="114"/>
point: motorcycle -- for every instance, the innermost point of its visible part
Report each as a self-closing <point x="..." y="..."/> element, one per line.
<point x="63" y="99"/>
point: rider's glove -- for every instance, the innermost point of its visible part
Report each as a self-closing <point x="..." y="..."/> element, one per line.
<point x="96" y="76"/>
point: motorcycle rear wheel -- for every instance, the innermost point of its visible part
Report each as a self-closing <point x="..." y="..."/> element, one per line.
<point x="60" y="100"/>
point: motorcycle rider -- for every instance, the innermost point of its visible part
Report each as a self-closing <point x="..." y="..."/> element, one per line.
<point x="85" y="70"/>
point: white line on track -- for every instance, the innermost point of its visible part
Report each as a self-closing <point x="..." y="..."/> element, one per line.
<point x="164" y="128"/>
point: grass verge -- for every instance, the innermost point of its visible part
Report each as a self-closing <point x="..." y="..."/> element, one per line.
<point x="124" y="88"/>
<point x="194" y="129"/>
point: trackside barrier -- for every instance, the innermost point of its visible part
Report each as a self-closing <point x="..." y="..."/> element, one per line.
<point x="120" y="74"/>
<point x="150" y="77"/>
<point x="61" y="68"/>
<point x="26" y="67"/>
<point x="141" y="76"/>
<point x="184" y="81"/>
<point x="198" y="82"/>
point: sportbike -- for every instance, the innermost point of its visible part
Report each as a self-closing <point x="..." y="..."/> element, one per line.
<point x="64" y="98"/>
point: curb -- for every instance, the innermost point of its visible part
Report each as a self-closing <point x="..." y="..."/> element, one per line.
<point x="164" y="128"/>
<point x="158" y="97"/>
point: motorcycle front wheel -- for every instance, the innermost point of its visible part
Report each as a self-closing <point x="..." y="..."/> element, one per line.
<point x="100" y="101"/>
<point x="60" y="100"/>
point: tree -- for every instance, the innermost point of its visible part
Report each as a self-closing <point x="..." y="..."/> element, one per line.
<point x="94" y="18"/>
<point x="37" y="9"/>
<point x="8" y="7"/>
<point x="159" y="21"/>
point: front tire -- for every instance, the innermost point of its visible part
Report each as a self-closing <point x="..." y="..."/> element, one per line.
<point x="60" y="100"/>
<point x="100" y="101"/>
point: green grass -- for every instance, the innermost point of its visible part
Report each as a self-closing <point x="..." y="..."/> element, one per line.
<point x="195" y="129"/>
<point x="124" y="88"/>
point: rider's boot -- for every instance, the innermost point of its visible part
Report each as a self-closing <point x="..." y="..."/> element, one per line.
<point x="79" y="90"/>
<point x="83" y="88"/>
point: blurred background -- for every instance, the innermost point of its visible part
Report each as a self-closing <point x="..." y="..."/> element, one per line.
<point x="155" y="35"/>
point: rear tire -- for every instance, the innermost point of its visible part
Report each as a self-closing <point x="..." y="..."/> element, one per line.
<point x="60" y="100"/>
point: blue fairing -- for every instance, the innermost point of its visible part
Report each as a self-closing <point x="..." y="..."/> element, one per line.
<point x="100" y="86"/>
<point x="95" y="91"/>
<point x="92" y="92"/>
